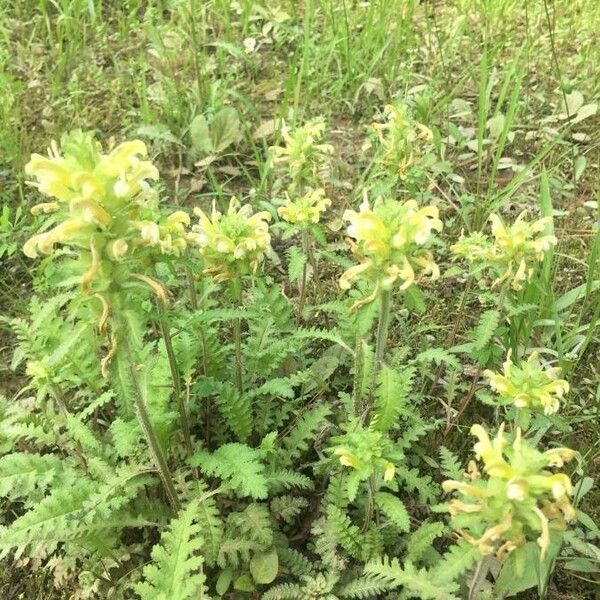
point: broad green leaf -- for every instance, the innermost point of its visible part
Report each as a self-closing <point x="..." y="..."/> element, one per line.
<point x="225" y="129"/>
<point x="264" y="566"/>
<point x="200" y="136"/>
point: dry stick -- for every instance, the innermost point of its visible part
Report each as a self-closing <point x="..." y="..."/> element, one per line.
<point x="156" y="451"/>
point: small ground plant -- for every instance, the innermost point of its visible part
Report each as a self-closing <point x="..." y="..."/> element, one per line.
<point x="301" y="302"/>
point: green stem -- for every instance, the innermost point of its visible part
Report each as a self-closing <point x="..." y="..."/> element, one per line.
<point x="192" y="288"/>
<point x="152" y="440"/>
<point x="195" y="307"/>
<point x="303" y="281"/>
<point x="177" y="390"/>
<point x="383" y="325"/>
<point x="236" y="290"/>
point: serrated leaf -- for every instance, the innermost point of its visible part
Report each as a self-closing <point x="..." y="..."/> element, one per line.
<point x="393" y="508"/>
<point x="297" y="260"/>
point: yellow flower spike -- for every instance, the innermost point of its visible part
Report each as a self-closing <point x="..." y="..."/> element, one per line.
<point x="103" y="321"/>
<point x="544" y="539"/>
<point x="402" y="139"/>
<point x="388" y="241"/>
<point x="105" y="362"/>
<point x="90" y="211"/>
<point x="44" y="242"/>
<point x="513" y="251"/>
<point x="529" y="385"/>
<point x="306" y="209"/>
<point x="157" y="287"/>
<point x="451" y="485"/>
<point x="304" y="153"/>
<point x="347" y="458"/>
<point x="53" y="175"/>
<point x="117" y="249"/>
<point x="352" y="273"/>
<point x="517" y="489"/>
<point x="456" y="507"/>
<point x="517" y="499"/>
<point x="233" y="244"/>
<point x="149" y="232"/>
<point x="557" y="457"/>
<point x="44" y="208"/>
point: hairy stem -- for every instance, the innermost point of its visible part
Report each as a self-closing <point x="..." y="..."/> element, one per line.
<point x="152" y="440"/>
<point x="236" y="290"/>
<point x="177" y="389"/>
<point x="303" y="281"/>
<point x="383" y="325"/>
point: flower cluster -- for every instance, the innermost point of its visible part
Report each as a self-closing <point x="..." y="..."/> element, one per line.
<point x="529" y="385"/>
<point x="105" y="211"/>
<point x="514" y="250"/>
<point x="231" y="244"/>
<point x="305" y="210"/>
<point x="367" y="452"/>
<point x="304" y="153"/>
<point x="515" y="499"/>
<point x="103" y="205"/>
<point x="401" y="139"/>
<point x="389" y="242"/>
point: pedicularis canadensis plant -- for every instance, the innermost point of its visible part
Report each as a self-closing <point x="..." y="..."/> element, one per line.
<point x="207" y="443"/>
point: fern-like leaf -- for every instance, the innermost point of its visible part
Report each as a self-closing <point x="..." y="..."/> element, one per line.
<point x="303" y="432"/>
<point x="422" y="538"/>
<point x="451" y="465"/>
<point x="415" y="583"/>
<point x="483" y="333"/>
<point x="175" y="573"/>
<point x="21" y="473"/>
<point x="392" y="396"/>
<point x="238" y="466"/>
<point x="393" y="508"/>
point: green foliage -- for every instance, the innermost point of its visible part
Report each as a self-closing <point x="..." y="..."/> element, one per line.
<point x="238" y="466"/>
<point x="176" y="569"/>
<point x="394" y="509"/>
<point x="392" y="396"/>
<point x="414" y="583"/>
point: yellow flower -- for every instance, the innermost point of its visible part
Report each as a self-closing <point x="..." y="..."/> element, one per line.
<point x="232" y="244"/>
<point x="105" y="211"/>
<point x="389" y="243"/>
<point x="513" y="252"/>
<point x="529" y="385"/>
<point x="390" y="471"/>
<point x="518" y="498"/>
<point x="347" y="458"/>
<point x="306" y="209"/>
<point x="304" y="153"/>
